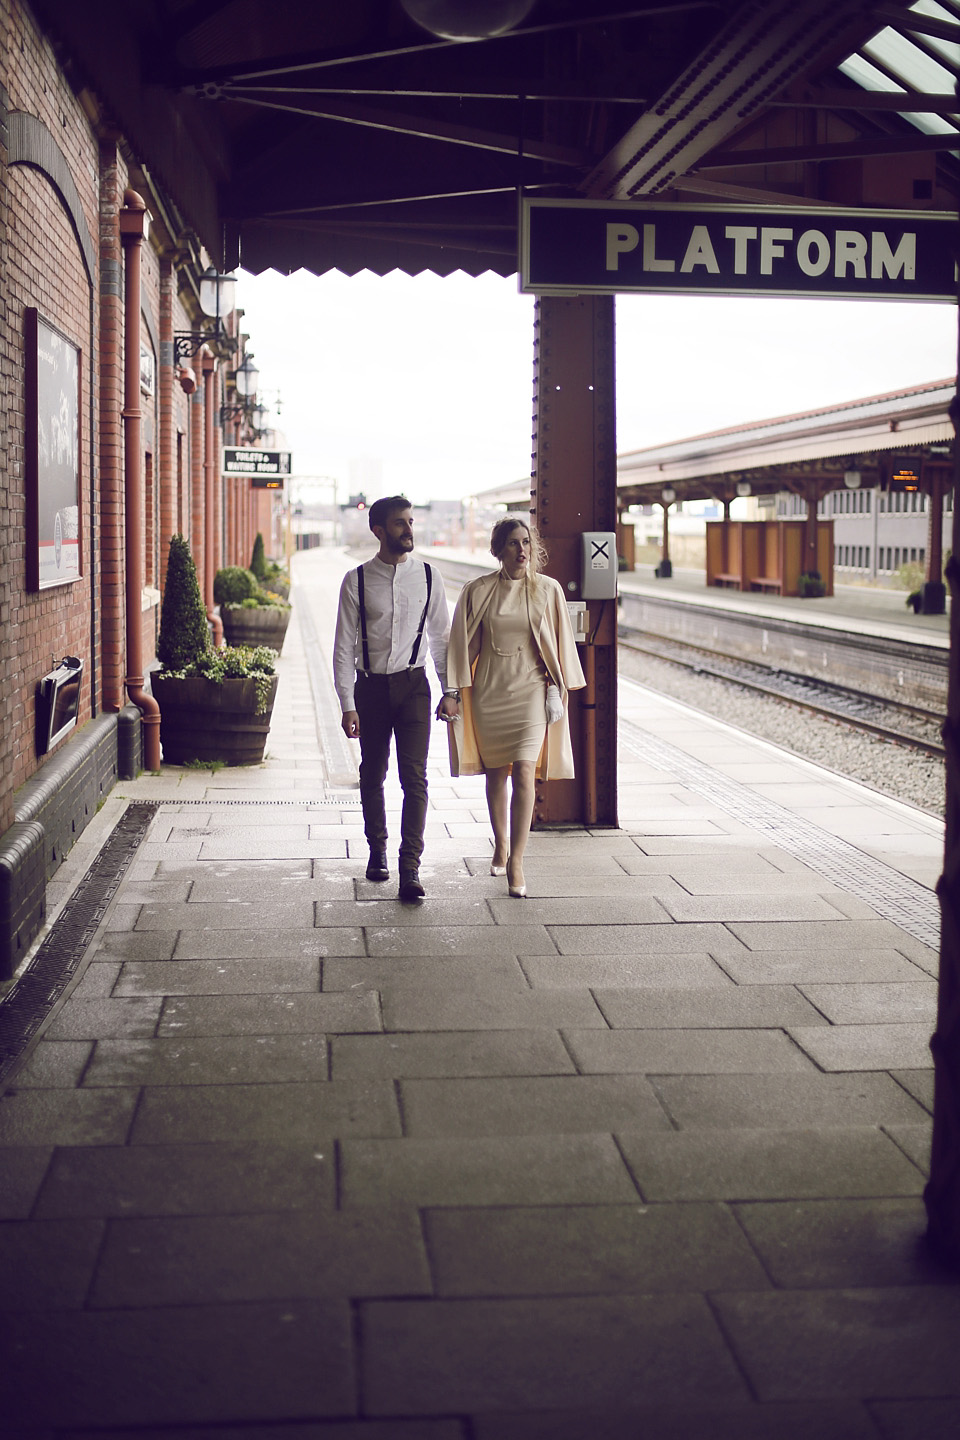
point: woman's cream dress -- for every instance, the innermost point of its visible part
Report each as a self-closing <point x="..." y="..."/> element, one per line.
<point x="510" y="682"/>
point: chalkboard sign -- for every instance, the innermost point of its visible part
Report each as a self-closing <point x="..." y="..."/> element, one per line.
<point x="52" y="448"/>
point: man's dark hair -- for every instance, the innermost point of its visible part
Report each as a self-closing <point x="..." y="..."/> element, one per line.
<point x="381" y="510"/>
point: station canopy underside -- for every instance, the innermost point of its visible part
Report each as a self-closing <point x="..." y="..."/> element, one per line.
<point x="293" y="135"/>
<point x="869" y="438"/>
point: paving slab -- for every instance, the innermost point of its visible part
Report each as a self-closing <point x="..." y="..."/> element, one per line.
<point x="386" y="909"/>
<point x="95" y="1019"/>
<point x="835" y="1244"/>
<point x="236" y="1259"/>
<point x="262" y="1361"/>
<point x="917" y="1419"/>
<point x="918" y="1083"/>
<point x="47" y="1264"/>
<point x="504" y="1052"/>
<point x="128" y="945"/>
<point x="218" y="977"/>
<point x="186" y="1179"/>
<point x="425" y="972"/>
<point x="209" y="1060"/>
<point x="561" y="1104"/>
<point x="861" y="1004"/>
<point x="828" y="1420"/>
<point x="494" y="1170"/>
<point x="866" y="1047"/>
<point x="269" y="1014"/>
<point x="698" y="863"/>
<point x="54" y="1065"/>
<point x="827" y="965"/>
<point x="311" y="1112"/>
<point x="768" y="1164"/>
<point x="821" y="935"/>
<point x="489" y="1008"/>
<point x="515" y="939"/>
<point x="696" y="970"/>
<point x="21" y="1176"/>
<point x="266" y="944"/>
<point x="653" y="939"/>
<point x="66" y="1117"/>
<point x="607" y="910"/>
<point x="863" y="1343"/>
<point x="915" y="1141"/>
<point x="590" y="1250"/>
<point x="793" y="1101"/>
<point x="482" y="1356"/>
<point x="735" y="905"/>
<point x="684" y="1052"/>
<point x="733" y="1007"/>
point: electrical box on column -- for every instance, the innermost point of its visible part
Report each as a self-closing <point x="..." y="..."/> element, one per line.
<point x="598" y="565"/>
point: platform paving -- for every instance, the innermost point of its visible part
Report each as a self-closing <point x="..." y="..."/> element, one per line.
<point x="640" y="1156"/>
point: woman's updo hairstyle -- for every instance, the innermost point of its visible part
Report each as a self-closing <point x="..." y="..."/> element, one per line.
<point x="501" y="534"/>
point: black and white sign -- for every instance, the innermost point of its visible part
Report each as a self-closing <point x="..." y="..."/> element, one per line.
<point x="272" y="463"/>
<point x="588" y="247"/>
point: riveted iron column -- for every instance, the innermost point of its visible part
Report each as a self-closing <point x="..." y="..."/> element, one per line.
<point x="942" y="1195"/>
<point x="575" y="489"/>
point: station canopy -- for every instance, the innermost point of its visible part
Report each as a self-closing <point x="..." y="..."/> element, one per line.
<point x="857" y="443"/>
<point x="292" y="134"/>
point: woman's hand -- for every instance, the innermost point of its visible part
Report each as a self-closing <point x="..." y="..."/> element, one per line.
<point x="554" y="705"/>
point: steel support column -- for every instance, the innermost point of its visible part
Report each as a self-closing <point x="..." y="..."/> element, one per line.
<point x="942" y="1195"/>
<point x="575" y="489"/>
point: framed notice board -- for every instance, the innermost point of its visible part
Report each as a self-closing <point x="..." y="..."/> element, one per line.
<point x="52" y="451"/>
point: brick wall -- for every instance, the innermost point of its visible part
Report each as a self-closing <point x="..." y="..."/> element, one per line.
<point x="43" y="265"/>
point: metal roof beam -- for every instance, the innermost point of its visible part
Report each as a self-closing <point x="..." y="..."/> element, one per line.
<point x="918" y="24"/>
<point x="842" y="150"/>
<point x="906" y="101"/>
<point x="399" y="124"/>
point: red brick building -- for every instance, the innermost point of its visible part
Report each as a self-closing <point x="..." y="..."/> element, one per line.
<point x="67" y="575"/>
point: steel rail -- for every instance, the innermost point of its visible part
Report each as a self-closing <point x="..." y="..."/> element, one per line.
<point x="771" y="692"/>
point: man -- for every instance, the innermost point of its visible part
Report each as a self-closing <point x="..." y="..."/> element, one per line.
<point x="392" y="610"/>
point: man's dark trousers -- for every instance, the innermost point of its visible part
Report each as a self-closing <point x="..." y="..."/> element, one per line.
<point x="397" y="705"/>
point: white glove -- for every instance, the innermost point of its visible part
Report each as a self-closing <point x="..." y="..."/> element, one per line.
<point x="554" y="705"/>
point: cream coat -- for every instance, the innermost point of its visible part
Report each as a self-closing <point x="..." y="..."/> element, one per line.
<point x="552" y="633"/>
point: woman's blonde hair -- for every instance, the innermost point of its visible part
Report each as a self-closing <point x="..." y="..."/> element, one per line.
<point x="501" y="534"/>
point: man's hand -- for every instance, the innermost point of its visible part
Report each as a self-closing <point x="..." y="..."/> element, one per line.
<point x="449" y="708"/>
<point x="350" y="723"/>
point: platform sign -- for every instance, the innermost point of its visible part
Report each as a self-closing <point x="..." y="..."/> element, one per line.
<point x="266" y="468"/>
<point x="591" y="247"/>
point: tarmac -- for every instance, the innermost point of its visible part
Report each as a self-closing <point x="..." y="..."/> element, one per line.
<point x="640" y="1157"/>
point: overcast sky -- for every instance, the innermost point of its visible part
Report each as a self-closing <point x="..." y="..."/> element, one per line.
<point x="433" y="378"/>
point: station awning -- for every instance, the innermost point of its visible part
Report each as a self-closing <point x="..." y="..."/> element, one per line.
<point x="321" y="136"/>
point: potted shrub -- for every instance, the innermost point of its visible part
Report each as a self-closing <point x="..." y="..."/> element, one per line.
<point x="270" y="575"/>
<point x="810" y="586"/>
<point x="251" y="616"/>
<point x="214" y="704"/>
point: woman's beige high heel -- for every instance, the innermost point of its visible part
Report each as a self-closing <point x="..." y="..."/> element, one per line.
<point x="497" y="869"/>
<point x="518" y="892"/>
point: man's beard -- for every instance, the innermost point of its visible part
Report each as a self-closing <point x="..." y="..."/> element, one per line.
<point x="399" y="546"/>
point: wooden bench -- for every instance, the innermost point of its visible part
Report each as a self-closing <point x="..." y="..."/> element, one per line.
<point x="727" y="580"/>
<point x="766" y="582"/>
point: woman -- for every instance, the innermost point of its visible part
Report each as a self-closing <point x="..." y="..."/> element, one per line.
<point x="513" y="656"/>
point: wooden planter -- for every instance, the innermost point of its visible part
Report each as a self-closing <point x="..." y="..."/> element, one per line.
<point x="267" y="625"/>
<point x="203" y="720"/>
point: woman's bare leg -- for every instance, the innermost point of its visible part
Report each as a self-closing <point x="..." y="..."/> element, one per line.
<point x="521" y="814"/>
<point x="499" y="812"/>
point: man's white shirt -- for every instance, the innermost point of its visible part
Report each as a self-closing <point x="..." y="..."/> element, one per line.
<point x="395" y="596"/>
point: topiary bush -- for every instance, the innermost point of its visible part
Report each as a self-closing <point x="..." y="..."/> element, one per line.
<point x="184" y="634"/>
<point x="234" y="585"/>
<point x="258" y="560"/>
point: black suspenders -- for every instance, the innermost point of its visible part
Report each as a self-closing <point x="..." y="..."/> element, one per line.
<point x="363" y="620"/>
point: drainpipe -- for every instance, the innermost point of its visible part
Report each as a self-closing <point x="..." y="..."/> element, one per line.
<point x="132" y="227"/>
<point x="209" y="509"/>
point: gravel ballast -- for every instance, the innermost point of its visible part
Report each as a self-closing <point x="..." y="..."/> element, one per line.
<point x="892" y="769"/>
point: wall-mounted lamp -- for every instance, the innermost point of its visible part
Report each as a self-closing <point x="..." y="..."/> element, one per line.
<point x="668" y="494"/>
<point x="246" y="378"/>
<point x="851" y="478"/>
<point x="217" y="300"/>
<point x="744" y="488"/>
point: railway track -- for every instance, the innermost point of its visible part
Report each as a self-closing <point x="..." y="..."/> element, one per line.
<point x="912" y="726"/>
